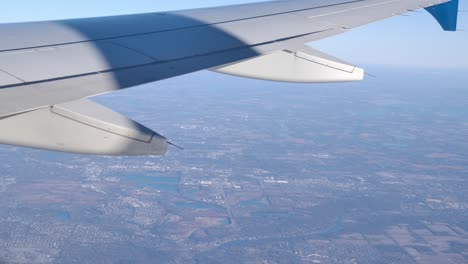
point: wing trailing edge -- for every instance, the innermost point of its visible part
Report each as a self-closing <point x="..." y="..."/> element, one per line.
<point x="81" y="127"/>
<point x="299" y="65"/>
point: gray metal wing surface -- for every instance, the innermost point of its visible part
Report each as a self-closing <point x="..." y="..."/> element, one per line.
<point x="46" y="65"/>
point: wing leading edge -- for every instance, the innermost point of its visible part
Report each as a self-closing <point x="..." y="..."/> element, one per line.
<point x="47" y="67"/>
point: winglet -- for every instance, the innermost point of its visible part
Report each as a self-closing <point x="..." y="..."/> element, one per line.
<point x="446" y="14"/>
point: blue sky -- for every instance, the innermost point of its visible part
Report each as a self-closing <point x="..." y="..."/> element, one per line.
<point x="408" y="41"/>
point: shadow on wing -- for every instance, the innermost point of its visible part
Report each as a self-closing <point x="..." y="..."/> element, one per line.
<point x="79" y="58"/>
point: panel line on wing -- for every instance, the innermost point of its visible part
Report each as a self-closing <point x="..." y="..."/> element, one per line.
<point x="86" y="58"/>
<point x="7" y="78"/>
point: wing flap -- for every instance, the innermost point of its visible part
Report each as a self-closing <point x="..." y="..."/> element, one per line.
<point x="81" y="127"/>
<point x="304" y="65"/>
<point x="68" y="60"/>
<point x="171" y="45"/>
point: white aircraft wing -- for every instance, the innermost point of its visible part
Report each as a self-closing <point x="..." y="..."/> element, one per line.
<point x="48" y="69"/>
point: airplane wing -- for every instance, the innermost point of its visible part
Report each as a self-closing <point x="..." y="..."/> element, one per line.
<point x="48" y="69"/>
